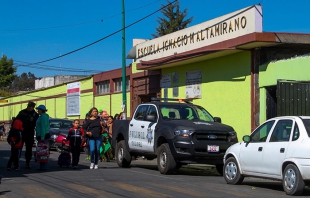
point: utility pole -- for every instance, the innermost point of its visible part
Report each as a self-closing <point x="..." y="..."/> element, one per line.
<point x="123" y="63"/>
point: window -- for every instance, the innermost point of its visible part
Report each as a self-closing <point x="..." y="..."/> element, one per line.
<point x="152" y="111"/>
<point x="103" y="87"/>
<point x="261" y="133"/>
<point x="118" y="84"/>
<point x="185" y="112"/>
<point x="140" y="113"/>
<point x="296" y="132"/>
<point x="282" y="131"/>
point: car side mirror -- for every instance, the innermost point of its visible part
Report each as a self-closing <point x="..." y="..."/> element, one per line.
<point x="217" y="119"/>
<point x="150" y="118"/>
<point x="246" y="138"/>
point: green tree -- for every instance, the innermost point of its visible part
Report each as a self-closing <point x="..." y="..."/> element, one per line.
<point x="7" y="72"/>
<point x="173" y="20"/>
<point x="24" y="82"/>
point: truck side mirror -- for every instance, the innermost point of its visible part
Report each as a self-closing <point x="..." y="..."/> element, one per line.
<point x="217" y="119"/>
<point x="150" y="118"/>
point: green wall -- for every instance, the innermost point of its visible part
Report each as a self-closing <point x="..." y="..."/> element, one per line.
<point x="226" y="89"/>
<point x="297" y="69"/>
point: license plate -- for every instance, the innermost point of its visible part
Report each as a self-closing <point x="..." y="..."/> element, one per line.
<point x="213" y="148"/>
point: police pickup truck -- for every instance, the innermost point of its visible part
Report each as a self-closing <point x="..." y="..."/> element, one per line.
<point x="176" y="133"/>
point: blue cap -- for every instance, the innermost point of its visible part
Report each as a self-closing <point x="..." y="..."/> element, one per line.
<point x="41" y="107"/>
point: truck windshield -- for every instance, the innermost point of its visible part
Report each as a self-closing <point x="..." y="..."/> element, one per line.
<point x="184" y="112"/>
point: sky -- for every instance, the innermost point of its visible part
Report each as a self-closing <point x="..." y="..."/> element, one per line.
<point x="33" y="31"/>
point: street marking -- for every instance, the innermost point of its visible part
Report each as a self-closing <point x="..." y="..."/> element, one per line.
<point x="138" y="190"/>
<point x="88" y="190"/>
<point x="37" y="191"/>
<point x="179" y="189"/>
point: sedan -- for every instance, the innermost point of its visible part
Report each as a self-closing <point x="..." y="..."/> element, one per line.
<point x="58" y="126"/>
<point x="278" y="149"/>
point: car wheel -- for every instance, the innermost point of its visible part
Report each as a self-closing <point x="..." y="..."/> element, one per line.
<point x="165" y="161"/>
<point x="293" y="183"/>
<point x="219" y="168"/>
<point x="123" y="157"/>
<point x="231" y="171"/>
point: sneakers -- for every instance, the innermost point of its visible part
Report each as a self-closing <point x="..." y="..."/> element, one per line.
<point x="17" y="169"/>
<point x="28" y="167"/>
<point x="8" y="169"/>
<point x="92" y="166"/>
<point x="96" y="166"/>
<point x="74" y="167"/>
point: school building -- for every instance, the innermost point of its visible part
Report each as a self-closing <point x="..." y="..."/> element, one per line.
<point x="228" y="65"/>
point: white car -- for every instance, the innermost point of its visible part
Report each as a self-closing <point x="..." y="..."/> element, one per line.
<point x="278" y="149"/>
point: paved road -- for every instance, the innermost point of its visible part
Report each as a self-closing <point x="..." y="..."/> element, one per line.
<point x="141" y="180"/>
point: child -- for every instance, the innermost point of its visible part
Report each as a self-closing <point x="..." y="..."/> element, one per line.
<point x="75" y="136"/>
<point x="2" y="131"/>
<point x="15" y="140"/>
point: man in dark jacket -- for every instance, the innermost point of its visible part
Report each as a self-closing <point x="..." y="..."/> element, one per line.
<point x="29" y="118"/>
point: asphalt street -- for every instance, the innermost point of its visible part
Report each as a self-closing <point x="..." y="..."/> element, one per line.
<point x="141" y="180"/>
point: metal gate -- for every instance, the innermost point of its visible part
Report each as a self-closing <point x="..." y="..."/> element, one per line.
<point x="293" y="98"/>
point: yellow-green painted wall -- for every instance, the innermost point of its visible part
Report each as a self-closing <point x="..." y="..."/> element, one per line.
<point x="226" y="88"/>
<point x="56" y="105"/>
<point x="297" y="69"/>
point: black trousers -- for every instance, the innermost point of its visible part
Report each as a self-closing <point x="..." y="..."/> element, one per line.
<point x="28" y="142"/>
<point x="15" y="155"/>
<point x="75" y="149"/>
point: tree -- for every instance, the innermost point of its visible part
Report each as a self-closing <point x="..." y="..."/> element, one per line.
<point x="173" y="19"/>
<point x="7" y="72"/>
<point x="24" y="82"/>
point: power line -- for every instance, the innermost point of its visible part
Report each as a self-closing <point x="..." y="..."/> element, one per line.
<point x="55" y="68"/>
<point x="99" y="39"/>
<point x="78" y="24"/>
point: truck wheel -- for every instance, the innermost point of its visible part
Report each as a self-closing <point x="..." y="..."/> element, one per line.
<point x="293" y="183"/>
<point x="219" y="168"/>
<point x="231" y="172"/>
<point x="165" y="161"/>
<point x="123" y="157"/>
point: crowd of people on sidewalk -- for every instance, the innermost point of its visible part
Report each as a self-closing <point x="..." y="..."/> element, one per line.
<point x="96" y="130"/>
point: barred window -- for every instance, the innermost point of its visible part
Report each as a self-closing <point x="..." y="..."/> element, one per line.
<point x="103" y="87"/>
<point x="118" y="84"/>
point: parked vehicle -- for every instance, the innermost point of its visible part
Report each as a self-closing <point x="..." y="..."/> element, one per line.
<point x="58" y="126"/>
<point x="176" y="133"/>
<point x="278" y="149"/>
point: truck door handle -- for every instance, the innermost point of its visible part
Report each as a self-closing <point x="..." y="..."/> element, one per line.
<point x="131" y="124"/>
<point x="142" y="126"/>
<point x="282" y="150"/>
<point x="260" y="148"/>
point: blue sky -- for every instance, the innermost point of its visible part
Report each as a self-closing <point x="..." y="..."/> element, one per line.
<point x="33" y="31"/>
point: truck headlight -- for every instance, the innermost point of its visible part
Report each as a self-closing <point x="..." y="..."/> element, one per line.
<point x="183" y="132"/>
<point x="233" y="136"/>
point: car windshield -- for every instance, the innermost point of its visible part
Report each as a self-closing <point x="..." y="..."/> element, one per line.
<point x="185" y="112"/>
<point x="61" y="124"/>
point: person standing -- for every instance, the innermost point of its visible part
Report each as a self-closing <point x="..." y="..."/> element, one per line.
<point x="75" y="136"/>
<point x="93" y="128"/>
<point x="42" y="130"/>
<point x="29" y="118"/>
<point x="2" y="131"/>
<point x="15" y="140"/>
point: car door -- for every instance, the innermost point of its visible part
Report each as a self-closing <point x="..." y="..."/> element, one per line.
<point x="137" y="129"/>
<point x="277" y="146"/>
<point x="251" y="153"/>
<point x="149" y="129"/>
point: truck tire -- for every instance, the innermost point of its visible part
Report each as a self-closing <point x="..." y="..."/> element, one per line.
<point x="219" y="168"/>
<point x="165" y="161"/>
<point x="123" y="157"/>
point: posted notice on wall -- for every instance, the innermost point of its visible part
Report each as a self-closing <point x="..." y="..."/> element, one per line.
<point x="73" y="99"/>
<point x="165" y="81"/>
<point x="193" y="84"/>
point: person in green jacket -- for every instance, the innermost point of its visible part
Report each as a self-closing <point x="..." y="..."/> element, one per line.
<point x="42" y="130"/>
